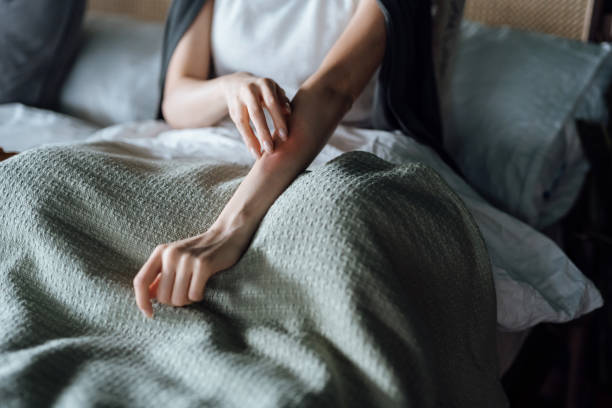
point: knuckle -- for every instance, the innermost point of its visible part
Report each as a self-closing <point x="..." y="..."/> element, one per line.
<point x="266" y="82"/>
<point x="232" y="113"/>
<point x="243" y="92"/>
<point x="166" y="255"/>
<point x="173" y="250"/>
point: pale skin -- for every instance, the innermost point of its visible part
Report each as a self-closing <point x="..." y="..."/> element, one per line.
<point x="176" y="273"/>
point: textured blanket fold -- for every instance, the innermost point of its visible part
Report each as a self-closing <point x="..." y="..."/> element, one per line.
<point x="367" y="284"/>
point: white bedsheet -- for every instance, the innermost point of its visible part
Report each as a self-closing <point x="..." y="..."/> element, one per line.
<point x="534" y="280"/>
<point x="23" y="127"/>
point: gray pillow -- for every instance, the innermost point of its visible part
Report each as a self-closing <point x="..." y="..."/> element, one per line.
<point x="38" y="39"/>
<point x="115" y="77"/>
<point x="515" y="97"/>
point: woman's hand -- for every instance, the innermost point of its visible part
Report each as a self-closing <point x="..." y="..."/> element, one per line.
<point x="176" y="274"/>
<point x="246" y="97"/>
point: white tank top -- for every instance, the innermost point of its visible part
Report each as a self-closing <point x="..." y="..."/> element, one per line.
<point x="285" y="40"/>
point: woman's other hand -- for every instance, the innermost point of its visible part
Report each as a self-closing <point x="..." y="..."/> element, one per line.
<point x="176" y="274"/>
<point x="247" y="96"/>
<point x="192" y="99"/>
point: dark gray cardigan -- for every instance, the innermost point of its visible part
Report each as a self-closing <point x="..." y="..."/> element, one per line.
<point x="407" y="97"/>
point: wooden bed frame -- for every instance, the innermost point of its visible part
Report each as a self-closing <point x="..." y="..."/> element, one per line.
<point x="565" y="18"/>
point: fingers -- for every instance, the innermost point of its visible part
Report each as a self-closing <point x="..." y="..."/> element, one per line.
<point x="273" y="98"/>
<point x="181" y="270"/>
<point x="201" y="274"/>
<point x="256" y="113"/>
<point x="144" y="278"/>
<point x="240" y="116"/>
<point x="246" y="103"/>
<point x="182" y="280"/>
<point x="170" y="259"/>
<point x="285" y="102"/>
<point x="172" y="275"/>
<point x="153" y="287"/>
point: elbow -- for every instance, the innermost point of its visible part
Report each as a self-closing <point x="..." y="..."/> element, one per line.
<point x="169" y="113"/>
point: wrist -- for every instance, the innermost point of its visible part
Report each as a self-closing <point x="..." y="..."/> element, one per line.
<point x="226" y="82"/>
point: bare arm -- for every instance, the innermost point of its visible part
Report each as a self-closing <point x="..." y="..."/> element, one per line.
<point x="318" y="108"/>
<point x="177" y="277"/>
<point x="187" y="89"/>
<point x="192" y="100"/>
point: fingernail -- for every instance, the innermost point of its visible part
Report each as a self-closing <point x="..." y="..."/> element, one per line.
<point x="254" y="153"/>
<point x="268" y="147"/>
<point x="283" y="134"/>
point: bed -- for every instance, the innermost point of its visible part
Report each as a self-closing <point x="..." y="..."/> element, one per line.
<point x="63" y="354"/>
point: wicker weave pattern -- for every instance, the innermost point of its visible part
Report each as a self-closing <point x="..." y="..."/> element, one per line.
<point x="567" y="18"/>
<point x="143" y="9"/>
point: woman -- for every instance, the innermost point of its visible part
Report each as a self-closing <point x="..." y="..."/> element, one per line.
<point x="176" y="273"/>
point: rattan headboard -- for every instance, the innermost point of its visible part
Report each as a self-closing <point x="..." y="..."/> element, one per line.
<point x="567" y="18"/>
<point x="144" y="9"/>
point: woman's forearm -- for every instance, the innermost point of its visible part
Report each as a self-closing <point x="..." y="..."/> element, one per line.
<point x="177" y="273"/>
<point x="316" y="113"/>
<point x="195" y="103"/>
<point x="318" y="108"/>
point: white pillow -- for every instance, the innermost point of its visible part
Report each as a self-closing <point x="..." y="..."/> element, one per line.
<point x="23" y="127"/>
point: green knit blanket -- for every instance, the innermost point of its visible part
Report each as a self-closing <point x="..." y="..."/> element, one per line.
<point x="367" y="284"/>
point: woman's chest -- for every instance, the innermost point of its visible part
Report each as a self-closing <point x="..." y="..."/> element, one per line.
<point x="283" y="39"/>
